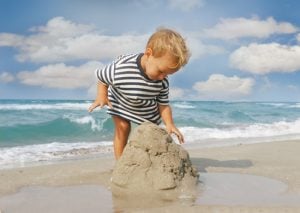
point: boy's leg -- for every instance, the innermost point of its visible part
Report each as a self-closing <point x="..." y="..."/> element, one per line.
<point x="122" y="130"/>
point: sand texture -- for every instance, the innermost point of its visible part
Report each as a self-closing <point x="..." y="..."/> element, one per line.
<point x="234" y="173"/>
<point x="152" y="164"/>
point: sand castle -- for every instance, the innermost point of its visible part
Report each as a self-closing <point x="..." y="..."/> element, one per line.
<point x="153" y="164"/>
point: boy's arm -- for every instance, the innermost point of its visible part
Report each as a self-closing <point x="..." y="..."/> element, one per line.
<point x="166" y="114"/>
<point x="105" y="78"/>
<point x="102" y="97"/>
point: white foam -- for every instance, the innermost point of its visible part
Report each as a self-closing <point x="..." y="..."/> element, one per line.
<point x="184" y="105"/>
<point x="275" y="104"/>
<point x="22" y="155"/>
<point x="282" y="129"/>
<point x="95" y="125"/>
<point x="58" y="106"/>
<point x="296" y="105"/>
<point x="283" y="105"/>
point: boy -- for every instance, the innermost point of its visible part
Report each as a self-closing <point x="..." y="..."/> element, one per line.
<point x="136" y="88"/>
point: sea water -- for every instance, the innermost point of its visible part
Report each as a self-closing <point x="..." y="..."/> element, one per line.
<point x="48" y="130"/>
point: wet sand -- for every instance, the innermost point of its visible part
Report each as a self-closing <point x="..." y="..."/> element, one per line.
<point x="244" y="178"/>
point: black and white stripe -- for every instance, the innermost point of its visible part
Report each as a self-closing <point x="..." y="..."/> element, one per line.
<point x="133" y="95"/>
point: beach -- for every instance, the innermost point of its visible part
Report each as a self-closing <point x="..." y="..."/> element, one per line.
<point x="57" y="157"/>
<point x="83" y="184"/>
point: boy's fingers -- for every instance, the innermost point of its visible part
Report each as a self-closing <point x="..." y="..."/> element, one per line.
<point x="180" y="137"/>
<point x="92" y="107"/>
<point x="181" y="140"/>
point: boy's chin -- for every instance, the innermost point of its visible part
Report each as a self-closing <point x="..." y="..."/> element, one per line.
<point x="154" y="78"/>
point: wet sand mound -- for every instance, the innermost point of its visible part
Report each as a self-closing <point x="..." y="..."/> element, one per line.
<point x="153" y="164"/>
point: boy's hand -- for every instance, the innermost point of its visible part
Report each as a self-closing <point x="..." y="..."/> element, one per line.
<point x="102" y="97"/>
<point x="172" y="129"/>
<point x="99" y="103"/>
<point x="166" y="114"/>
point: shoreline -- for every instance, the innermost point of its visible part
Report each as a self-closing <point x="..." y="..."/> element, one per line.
<point x="279" y="161"/>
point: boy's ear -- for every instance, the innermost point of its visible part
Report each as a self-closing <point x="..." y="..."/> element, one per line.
<point x="148" y="52"/>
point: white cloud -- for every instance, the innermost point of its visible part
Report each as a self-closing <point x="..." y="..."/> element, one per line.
<point x="176" y="93"/>
<point x="92" y="91"/>
<point x="12" y="40"/>
<point x="232" y="28"/>
<point x="298" y="37"/>
<point x="222" y="87"/>
<point x="199" y="49"/>
<point x="266" y="58"/>
<point x="185" y="5"/>
<point x="6" y="77"/>
<point x="60" y="27"/>
<point x="61" y="76"/>
<point x="62" y="40"/>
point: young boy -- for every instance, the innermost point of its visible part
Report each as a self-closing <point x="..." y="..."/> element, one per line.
<point x="136" y="87"/>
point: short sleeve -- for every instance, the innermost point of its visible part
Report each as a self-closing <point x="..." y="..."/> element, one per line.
<point x="106" y="74"/>
<point x="163" y="97"/>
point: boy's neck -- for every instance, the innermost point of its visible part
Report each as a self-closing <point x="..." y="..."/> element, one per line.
<point x="143" y="64"/>
<point x="143" y="61"/>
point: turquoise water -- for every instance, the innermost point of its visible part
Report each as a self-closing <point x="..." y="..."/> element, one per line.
<point x="42" y="130"/>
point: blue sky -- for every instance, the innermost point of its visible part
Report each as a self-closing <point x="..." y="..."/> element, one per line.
<point x="242" y="50"/>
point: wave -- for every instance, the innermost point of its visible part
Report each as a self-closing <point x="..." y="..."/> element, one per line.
<point x="297" y="105"/>
<point x="95" y="125"/>
<point x="65" y="129"/>
<point x="274" y="104"/>
<point x="184" y="105"/>
<point x="282" y="105"/>
<point x="281" y="129"/>
<point x="240" y="116"/>
<point x="43" y="151"/>
<point x="38" y="106"/>
<point x="25" y="155"/>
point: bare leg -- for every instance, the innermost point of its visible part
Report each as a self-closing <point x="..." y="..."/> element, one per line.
<point x="122" y="130"/>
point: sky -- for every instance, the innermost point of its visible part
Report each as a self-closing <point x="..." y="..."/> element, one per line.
<point x="242" y="50"/>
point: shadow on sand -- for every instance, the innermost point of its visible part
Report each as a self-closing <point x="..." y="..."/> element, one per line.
<point x="202" y="163"/>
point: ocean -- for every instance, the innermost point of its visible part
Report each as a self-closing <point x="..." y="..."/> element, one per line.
<point x="43" y="131"/>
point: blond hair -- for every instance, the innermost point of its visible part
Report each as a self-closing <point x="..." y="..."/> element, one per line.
<point x="166" y="40"/>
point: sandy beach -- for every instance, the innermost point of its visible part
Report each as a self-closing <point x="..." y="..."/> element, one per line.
<point x="262" y="177"/>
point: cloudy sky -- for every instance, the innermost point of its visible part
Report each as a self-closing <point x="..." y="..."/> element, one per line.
<point x="242" y="50"/>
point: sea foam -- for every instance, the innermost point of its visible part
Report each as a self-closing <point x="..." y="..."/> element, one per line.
<point x="259" y="132"/>
<point x="25" y="155"/>
<point x="57" y="106"/>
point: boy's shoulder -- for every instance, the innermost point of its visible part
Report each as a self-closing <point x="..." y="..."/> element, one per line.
<point x="129" y="58"/>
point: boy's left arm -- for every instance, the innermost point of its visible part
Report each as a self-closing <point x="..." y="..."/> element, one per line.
<point x="166" y="114"/>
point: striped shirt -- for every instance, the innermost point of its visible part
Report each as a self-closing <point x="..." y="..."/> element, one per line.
<point x="132" y="94"/>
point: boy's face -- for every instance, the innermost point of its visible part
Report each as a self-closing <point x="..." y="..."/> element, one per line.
<point x="157" y="68"/>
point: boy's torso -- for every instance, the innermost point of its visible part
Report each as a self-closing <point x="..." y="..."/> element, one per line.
<point x="131" y="82"/>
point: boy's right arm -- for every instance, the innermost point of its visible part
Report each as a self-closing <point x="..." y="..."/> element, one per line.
<point x="105" y="78"/>
<point x="102" y="97"/>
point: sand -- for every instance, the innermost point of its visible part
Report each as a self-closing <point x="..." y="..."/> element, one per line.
<point x="152" y="164"/>
<point x="261" y="177"/>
